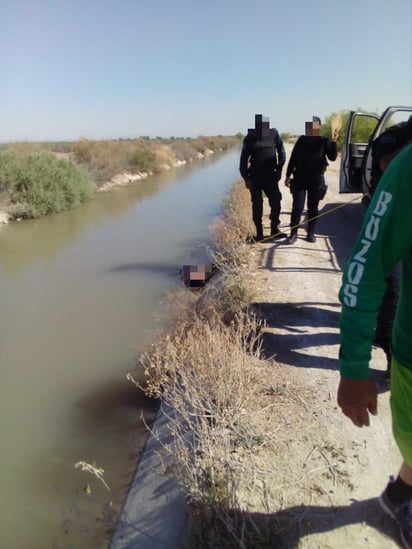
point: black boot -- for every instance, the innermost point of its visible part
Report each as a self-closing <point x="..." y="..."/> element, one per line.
<point x="293" y="236"/>
<point x="259" y="232"/>
<point x="276" y="233"/>
<point x="310" y="237"/>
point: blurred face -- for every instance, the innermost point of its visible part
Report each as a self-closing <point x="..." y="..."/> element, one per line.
<point x="312" y="128"/>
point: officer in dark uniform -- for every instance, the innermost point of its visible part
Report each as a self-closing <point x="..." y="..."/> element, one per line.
<point x="307" y="165"/>
<point x="261" y="162"/>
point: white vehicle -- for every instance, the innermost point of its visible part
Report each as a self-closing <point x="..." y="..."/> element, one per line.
<point x="356" y="163"/>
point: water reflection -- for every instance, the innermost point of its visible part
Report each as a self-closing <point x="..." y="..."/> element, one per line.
<point x="154" y="268"/>
<point x="104" y="406"/>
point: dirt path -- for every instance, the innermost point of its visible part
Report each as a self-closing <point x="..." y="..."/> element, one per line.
<point x="334" y="471"/>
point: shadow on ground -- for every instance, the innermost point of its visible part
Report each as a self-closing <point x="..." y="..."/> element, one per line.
<point x="295" y="328"/>
<point x="288" y="527"/>
<point x="288" y="345"/>
<point x="295" y="318"/>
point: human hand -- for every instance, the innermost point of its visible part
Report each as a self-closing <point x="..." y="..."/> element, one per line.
<point x="248" y="184"/>
<point x="358" y="398"/>
<point x="287" y="181"/>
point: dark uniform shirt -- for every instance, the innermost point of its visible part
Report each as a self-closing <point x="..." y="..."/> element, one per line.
<point x="261" y="158"/>
<point x="308" y="158"/>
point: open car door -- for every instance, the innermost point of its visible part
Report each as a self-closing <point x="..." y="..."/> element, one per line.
<point x="362" y="129"/>
<point x="358" y="133"/>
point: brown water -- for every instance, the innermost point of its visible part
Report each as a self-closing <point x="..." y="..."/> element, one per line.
<point x="79" y="296"/>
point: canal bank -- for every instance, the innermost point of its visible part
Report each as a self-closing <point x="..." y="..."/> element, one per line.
<point x="155" y="514"/>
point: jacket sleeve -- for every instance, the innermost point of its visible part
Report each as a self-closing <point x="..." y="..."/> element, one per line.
<point x="244" y="159"/>
<point x="292" y="160"/>
<point x="331" y="150"/>
<point x="280" y="150"/>
<point x="385" y="238"/>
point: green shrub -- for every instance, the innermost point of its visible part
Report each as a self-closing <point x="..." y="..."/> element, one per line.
<point x="9" y="171"/>
<point x="143" y="160"/>
<point x="41" y="183"/>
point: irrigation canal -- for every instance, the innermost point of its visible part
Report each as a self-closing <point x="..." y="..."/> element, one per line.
<point x="80" y="294"/>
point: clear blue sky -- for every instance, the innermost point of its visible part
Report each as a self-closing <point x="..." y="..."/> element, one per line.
<point x="123" y="68"/>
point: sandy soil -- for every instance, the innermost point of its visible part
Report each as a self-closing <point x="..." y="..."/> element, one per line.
<point x="334" y="471"/>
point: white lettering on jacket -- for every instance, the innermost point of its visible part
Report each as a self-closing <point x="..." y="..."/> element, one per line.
<point x="356" y="267"/>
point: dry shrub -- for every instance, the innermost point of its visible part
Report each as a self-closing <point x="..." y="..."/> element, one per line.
<point x="183" y="149"/>
<point x="215" y="143"/>
<point x="231" y="231"/>
<point x="228" y="294"/>
<point x="222" y="399"/>
<point x="211" y="375"/>
<point x="83" y="151"/>
<point x="103" y="159"/>
<point x="164" y="157"/>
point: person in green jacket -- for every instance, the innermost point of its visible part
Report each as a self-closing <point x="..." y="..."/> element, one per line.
<point x="384" y="240"/>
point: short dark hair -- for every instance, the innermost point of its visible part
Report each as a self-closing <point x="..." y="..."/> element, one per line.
<point x="391" y="140"/>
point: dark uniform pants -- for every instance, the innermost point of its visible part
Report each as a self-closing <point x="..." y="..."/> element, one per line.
<point x="299" y="192"/>
<point x="271" y="190"/>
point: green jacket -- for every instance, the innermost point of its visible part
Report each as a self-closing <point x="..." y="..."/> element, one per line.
<point x="385" y="239"/>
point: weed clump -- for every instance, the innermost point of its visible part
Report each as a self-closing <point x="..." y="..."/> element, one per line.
<point x="41" y="183"/>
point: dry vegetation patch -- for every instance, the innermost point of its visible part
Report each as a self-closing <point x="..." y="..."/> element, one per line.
<point x="236" y="420"/>
<point x="236" y="413"/>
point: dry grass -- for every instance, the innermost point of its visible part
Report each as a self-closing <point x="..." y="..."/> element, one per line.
<point x="232" y="410"/>
<point x="213" y="377"/>
<point x="91" y="468"/>
<point x="224" y="394"/>
<point x="232" y="230"/>
<point x="236" y="414"/>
